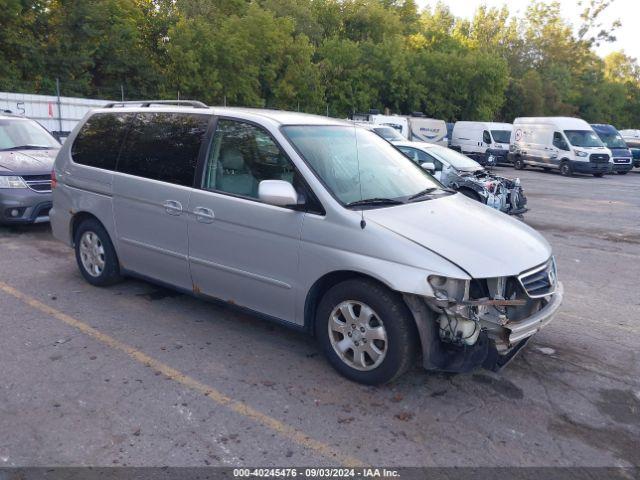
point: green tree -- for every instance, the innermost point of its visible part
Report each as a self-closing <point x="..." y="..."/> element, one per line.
<point x="21" y="44"/>
<point x="619" y="67"/>
<point x="346" y="55"/>
<point x="254" y="60"/>
<point x="96" y="46"/>
<point x="346" y="77"/>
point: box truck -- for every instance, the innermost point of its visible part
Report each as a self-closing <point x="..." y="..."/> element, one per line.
<point x="417" y="127"/>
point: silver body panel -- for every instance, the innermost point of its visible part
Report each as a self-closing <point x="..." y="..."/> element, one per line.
<point x="247" y="255"/>
<point x="151" y="223"/>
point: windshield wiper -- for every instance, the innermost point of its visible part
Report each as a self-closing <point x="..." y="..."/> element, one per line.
<point x="374" y="201"/>
<point x="27" y="147"/>
<point x="427" y="191"/>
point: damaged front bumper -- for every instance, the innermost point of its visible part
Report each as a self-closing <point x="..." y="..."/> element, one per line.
<point x="496" y="344"/>
<point x="516" y="331"/>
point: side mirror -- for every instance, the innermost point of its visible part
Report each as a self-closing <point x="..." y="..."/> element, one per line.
<point x="428" y="166"/>
<point x="278" y="193"/>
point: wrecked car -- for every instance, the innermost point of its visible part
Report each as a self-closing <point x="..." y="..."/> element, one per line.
<point x="468" y="177"/>
<point x="308" y="221"/>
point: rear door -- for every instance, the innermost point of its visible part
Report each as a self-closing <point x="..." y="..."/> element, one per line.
<point x="241" y="250"/>
<point x="546" y="150"/>
<point x="151" y="191"/>
<point x="533" y="149"/>
<point x="475" y="144"/>
<point x="466" y="138"/>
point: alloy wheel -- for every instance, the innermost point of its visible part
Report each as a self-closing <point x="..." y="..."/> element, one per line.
<point x="357" y="335"/>
<point x="92" y="254"/>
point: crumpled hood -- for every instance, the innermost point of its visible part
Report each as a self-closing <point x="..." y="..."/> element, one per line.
<point x="480" y="240"/>
<point x="27" y="161"/>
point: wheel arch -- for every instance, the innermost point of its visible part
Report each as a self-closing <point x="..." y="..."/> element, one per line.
<point x="475" y="193"/>
<point x="77" y="220"/>
<point x="323" y="284"/>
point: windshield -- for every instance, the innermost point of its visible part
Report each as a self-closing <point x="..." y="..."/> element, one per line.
<point x="355" y="164"/>
<point x="389" y="133"/>
<point x="501" y="136"/>
<point x="19" y="132"/>
<point x="455" y="159"/>
<point x="583" y="138"/>
<point x="612" y="140"/>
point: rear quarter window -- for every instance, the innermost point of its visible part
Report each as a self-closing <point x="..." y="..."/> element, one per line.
<point x="164" y="146"/>
<point x="99" y="140"/>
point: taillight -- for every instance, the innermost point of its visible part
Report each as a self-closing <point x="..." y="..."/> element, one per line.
<point x="54" y="181"/>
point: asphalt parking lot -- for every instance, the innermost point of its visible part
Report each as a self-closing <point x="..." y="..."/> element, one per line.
<point x="139" y="375"/>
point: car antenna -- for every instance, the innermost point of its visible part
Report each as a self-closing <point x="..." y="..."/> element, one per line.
<point x="363" y="223"/>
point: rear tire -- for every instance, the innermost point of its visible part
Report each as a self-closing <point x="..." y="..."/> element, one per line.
<point x="565" y="169"/>
<point x="96" y="257"/>
<point x="366" y="331"/>
<point x="598" y="175"/>
<point x="623" y="173"/>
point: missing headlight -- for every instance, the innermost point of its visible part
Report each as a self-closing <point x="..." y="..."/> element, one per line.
<point x="446" y="288"/>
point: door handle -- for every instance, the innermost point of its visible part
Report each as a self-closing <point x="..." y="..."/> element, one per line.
<point x="204" y="215"/>
<point x="172" y="207"/>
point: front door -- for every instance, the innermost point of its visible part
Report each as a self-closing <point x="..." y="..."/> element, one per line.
<point x="151" y="191"/>
<point x="241" y="250"/>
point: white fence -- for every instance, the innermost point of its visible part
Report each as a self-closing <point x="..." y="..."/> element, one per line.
<point x="58" y="118"/>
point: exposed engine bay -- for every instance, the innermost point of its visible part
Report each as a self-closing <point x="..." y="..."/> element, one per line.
<point x="495" y="191"/>
<point x="484" y="321"/>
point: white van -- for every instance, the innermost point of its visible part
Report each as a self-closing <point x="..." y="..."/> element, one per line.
<point x="415" y="128"/>
<point x="485" y="142"/>
<point x="563" y="143"/>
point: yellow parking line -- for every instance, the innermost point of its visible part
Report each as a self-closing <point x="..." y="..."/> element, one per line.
<point x="236" y="406"/>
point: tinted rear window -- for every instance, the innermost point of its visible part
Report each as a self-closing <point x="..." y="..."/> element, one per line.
<point x="164" y="146"/>
<point x="98" y="142"/>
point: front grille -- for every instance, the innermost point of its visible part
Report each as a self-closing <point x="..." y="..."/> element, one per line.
<point x="39" y="183"/>
<point x="541" y="281"/>
<point x="621" y="160"/>
<point x="599" y="158"/>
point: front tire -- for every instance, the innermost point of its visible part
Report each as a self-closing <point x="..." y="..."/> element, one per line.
<point x="565" y="169"/>
<point x="96" y="257"/>
<point x="624" y="172"/>
<point x="366" y="331"/>
<point x="598" y="175"/>
<point x="518" y="163"/>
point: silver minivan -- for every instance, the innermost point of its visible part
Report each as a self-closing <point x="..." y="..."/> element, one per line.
<point x="308" y="221"/>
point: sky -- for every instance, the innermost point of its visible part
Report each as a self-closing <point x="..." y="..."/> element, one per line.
<point x="627" y="11"/>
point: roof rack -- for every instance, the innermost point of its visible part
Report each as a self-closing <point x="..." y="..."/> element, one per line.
<point x="148" y="103"/>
